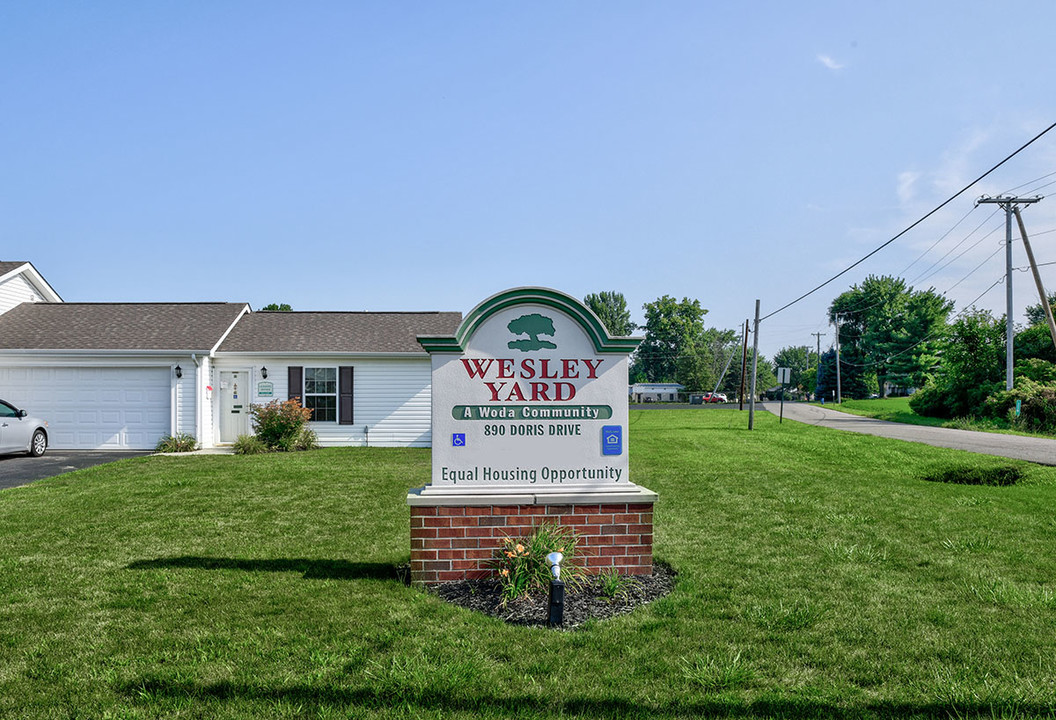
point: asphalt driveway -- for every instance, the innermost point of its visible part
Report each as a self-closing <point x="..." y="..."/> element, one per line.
<point x="18" y="470"/>
<point x="1034" y="449"/>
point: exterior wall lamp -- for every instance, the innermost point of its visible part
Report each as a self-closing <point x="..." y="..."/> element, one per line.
<point x="264" y="372"/>
<point x="179" y="372"/>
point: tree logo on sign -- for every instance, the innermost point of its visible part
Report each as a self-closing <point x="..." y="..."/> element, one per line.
<point x="533" y="326"/>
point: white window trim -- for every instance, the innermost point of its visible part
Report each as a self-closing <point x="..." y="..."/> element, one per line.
<point x="336" y="394"/>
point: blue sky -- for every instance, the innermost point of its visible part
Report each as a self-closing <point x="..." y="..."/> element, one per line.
<point x="423" y="156"/>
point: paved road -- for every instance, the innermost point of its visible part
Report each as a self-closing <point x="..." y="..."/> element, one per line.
<point x="18" y="470"/>
<point x="1039" y="450"/>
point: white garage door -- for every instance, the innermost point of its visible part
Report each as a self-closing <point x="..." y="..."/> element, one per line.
<point x="94" y="408"/>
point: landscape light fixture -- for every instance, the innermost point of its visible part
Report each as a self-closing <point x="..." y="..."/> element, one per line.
<point x="179" y="372"/>
<point x="264" y="372"/>
<point x="557" y="591"/>
<point x="555" y="559"/>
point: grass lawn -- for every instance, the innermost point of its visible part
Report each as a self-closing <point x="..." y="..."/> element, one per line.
<point x="819" y="577"/>
<point x="891" y="409"/>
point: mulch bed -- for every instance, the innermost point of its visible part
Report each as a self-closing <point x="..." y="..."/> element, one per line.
<point x="587" y="602"/>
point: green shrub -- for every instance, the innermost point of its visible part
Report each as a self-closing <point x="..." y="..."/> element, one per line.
<point x="181" y="442"/>
<point x="307" y="440"/>
<point x="249" y="445"/>
<point x="279" y="423"/>
<point x="970" y="475"/>
<point x="522" y="566"/>
<point x="928" y="401"/>
<point x="1038" y="370"/>
<point x="1037" y="406"/>
<point x="946" y="398"/>
<point x="614" y="585"/>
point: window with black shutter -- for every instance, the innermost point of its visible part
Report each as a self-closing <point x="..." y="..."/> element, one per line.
<point x="295" y="383"/>
<point x="345" y="384"/>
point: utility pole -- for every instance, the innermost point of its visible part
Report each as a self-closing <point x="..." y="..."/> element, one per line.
<point x="839" y="386"/>
<point x="1009" y="205"/>
<point x="1037" y="277"/>
<point x="817" y="375"/>
<point x="755" y="369"/>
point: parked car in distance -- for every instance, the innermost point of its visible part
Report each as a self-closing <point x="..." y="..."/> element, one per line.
<point x="21" y="433"/>
<point x="715" y="398"/>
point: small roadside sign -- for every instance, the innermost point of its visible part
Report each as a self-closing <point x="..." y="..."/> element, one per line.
<point x="784" y="375"/>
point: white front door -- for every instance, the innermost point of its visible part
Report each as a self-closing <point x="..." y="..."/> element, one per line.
<point x="234" y="405"/>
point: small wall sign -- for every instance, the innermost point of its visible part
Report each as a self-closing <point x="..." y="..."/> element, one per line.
<point x="612" y="440"/>
<point x="265" y="388"/>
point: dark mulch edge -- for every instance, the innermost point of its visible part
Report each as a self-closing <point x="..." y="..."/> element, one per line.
<point x="587" y="602"/>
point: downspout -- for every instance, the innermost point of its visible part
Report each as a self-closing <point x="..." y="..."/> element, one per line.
<point x="198" y="393"/>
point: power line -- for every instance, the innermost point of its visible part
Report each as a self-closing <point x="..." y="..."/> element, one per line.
<point x="928" y="272"/>
<point x="925" y="274"/>
<point x="972" y="272"/>
<point x="915" y="224"/>
<point x="964" y="252"/>
<point x="1028" y="182"/>
<point x="943" y="237"/>
<point x="967" y="307"/>
<point x="932" y="336"/>
<point x="1042" y="187"/>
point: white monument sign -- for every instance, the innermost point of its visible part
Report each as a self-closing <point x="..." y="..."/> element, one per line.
<point x="530" y="397"/>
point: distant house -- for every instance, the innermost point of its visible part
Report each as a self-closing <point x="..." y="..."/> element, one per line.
<point x="124" y="375"/>
<point x="655" y="392"/>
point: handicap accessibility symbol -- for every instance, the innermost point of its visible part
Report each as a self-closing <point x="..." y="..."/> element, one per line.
<point x="458" y="439"/>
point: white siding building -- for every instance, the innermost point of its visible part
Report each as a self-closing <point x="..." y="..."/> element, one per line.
<point x="655" y="392"/>
<point x="115" y="376"/>
<point x="124" y="375"/>
<point x="364" y="375"/>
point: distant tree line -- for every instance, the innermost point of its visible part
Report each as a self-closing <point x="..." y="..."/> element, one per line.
<point x="678" y="346"/>
<point x="893" y="340"/>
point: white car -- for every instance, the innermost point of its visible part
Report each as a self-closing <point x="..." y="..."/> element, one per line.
<point x="21" y="433"/>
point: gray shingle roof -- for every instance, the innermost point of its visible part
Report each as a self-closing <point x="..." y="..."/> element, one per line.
<point x="6" y="267"/>
<point x="338" y="332"/>
<point x="116" y="326"/>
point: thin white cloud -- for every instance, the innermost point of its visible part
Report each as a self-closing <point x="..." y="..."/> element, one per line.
<point x="906" y="190"/>
<point x="829" y="62"/>
<point x="960" y="163"/>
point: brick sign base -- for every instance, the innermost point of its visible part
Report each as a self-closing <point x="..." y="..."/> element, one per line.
<point x="457" y="542"/>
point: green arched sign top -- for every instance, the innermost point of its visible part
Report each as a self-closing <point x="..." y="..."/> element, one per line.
<point x="584" y="316"/>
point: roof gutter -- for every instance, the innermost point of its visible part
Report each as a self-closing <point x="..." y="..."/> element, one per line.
<point x="88" y="351"/>
<point x="316" y="353"/>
